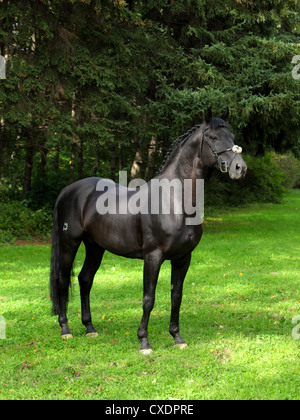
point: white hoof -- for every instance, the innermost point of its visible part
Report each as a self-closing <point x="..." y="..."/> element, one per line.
<point x="92" y="335"/>
<point x="146" y="352"/>
<point x="66" y="336"/>
<point x="181" y="346"/>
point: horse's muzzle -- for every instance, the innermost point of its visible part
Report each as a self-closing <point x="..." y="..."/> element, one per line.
<point x="238" y="168"/>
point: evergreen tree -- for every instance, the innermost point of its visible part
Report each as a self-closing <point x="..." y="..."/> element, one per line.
<point x="94" y="86"/>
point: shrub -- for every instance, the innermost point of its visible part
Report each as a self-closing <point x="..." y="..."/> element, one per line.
<point x="18" y="221"/>
<point x="291" y="166"/>
<point x="44" y="192"/>
<point x="6" y="236"/>
<point x="266" y="181"/>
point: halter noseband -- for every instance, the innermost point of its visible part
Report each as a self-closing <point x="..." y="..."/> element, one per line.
<point x="222" y="164"/>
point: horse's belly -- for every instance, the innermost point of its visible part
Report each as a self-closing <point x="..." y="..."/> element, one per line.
<point x="116" y="234"/>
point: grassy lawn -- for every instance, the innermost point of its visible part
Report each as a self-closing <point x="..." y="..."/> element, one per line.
<point x="240" y="296"/>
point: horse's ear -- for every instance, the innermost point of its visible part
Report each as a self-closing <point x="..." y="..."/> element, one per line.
<point x="225" y="116"/>
<point x="208" y="115"/>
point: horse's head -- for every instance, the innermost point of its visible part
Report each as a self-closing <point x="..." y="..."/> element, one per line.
<point x="218" y="148"/>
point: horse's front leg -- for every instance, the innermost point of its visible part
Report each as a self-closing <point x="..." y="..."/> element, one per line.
<point x="152" y="264"/>
<point x="179" y="270"/>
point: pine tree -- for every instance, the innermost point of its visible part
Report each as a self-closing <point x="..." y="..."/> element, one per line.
<point x="94" y="86"/>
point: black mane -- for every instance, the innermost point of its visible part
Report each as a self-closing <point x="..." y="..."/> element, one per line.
<point x="178" y="143"/>
<point x="174" y="148"/>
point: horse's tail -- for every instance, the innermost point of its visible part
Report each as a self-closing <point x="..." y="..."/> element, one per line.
<point x="55" y="271"/>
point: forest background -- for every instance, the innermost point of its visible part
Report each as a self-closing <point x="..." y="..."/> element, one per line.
<point x="93" y="87"/>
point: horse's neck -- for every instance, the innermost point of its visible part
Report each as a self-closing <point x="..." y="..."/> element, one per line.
<point x="187" y="163"/>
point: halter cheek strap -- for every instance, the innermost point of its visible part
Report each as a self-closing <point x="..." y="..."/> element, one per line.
<point x="223" y="165"/>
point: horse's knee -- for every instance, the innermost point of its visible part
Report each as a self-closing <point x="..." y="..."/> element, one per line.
<point x="148" y="303"/>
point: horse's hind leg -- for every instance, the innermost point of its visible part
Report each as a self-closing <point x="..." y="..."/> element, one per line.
<point x="66" y="257"/>
<point x="94" y="254"/>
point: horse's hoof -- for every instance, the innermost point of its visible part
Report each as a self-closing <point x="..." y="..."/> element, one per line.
<point x="146" y="352"/>
<point x="66" y="336"/>
<point x="92" y="335"/>
<point x="181" y="346"/>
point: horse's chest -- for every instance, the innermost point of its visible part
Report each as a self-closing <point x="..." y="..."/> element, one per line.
<point x="190" y="236"/>
<point x="187" y="239"/>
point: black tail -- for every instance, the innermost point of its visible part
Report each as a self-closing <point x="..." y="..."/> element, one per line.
<point x="54" y="275"/>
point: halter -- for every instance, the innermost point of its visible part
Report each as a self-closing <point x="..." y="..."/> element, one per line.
<point x="222" y="164"/>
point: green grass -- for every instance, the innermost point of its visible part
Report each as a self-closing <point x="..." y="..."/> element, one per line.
<point x="240" y="296"/>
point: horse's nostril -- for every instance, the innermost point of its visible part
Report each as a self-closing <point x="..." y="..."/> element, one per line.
<point x="238" y="167"/>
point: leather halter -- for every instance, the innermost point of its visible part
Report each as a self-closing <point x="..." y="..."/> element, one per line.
<point x="223" y="165"/>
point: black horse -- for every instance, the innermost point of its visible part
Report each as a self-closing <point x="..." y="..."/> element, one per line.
<point x="154" y="236"/>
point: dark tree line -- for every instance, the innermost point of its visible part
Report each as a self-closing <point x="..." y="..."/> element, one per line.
<point x="96" y="86"/>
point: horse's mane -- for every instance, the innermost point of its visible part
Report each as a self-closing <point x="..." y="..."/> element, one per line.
<point x="180" y="142"/>
<point x="174" y="148"/>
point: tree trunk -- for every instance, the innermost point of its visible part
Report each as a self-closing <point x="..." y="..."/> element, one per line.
<point x="72" y="161"/>
<point x="151" y="158"/>
<point x="113" y="162"/>
<point x="44" y="153"/>
<point x="135" y="171"/>
<point x="2" y="144"/>
<point x="120" y="157"/>
<point x="73" y="148"/>
<point x="28" y="164"/>
<point x="80" y="159"/>
<point x="98" y="158"/>
<point x="56" y="159"/>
